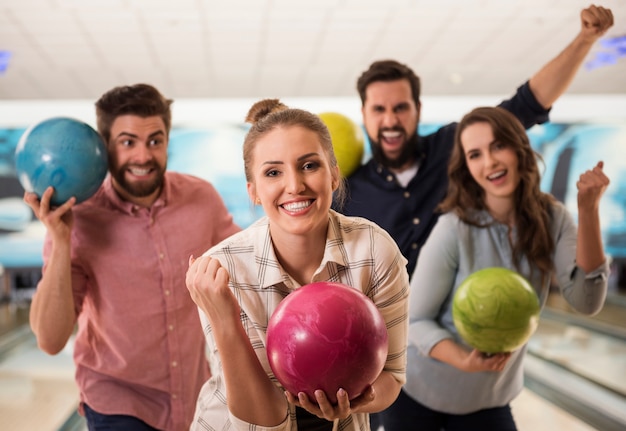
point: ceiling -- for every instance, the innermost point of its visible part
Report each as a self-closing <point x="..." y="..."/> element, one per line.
<point x="77" y="49"/>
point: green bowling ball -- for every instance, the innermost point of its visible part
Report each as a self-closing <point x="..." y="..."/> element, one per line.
<point x="495" y="310"/>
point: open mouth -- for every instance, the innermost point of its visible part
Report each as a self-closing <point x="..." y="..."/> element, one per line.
<point x="297" y="206"/>
<point x="496" y="175"/>
<point x="392" y="137"/>
<point x="140" y="171"/>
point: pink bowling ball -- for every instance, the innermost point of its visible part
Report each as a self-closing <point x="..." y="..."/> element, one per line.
<point x="326" y="336"/>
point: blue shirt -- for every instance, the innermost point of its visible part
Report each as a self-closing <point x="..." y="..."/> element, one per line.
<point x="408" y="213"/>
<point x="453" y="251"/>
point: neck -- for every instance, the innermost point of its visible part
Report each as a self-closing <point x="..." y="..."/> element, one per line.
<point x="408" y="165"/>
<point x="140" y="201"/>
<point x="300" y="255"/>
<point x="502" y="210"/>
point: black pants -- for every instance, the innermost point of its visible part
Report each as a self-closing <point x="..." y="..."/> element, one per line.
<point x="309" y="422"/>
<point x="100" y="422"/>
<point x="406" y="414"/>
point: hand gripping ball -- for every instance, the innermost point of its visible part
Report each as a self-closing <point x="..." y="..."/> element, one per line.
<point x="495" y="310"/>
<point x="64" y="153"/>
<point x="326" y="336"/>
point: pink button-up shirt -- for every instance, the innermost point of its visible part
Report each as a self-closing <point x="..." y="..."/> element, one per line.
<point x="139" y="349"/>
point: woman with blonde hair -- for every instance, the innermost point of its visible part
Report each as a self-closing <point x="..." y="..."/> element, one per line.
<point x="292" y="173"/>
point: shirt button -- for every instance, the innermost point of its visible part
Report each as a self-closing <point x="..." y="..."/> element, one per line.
<point x="161" y="256"/>
<point x="407" y="195"/>
<point x="174" y="364"/>
<point x="414" y="246"/>
<point x="171" y="327"/>
<point x="167" y="292"/>
<point x="389" y="177"/>
<point x="416" y="220"/>
<point x="174" y="396"/>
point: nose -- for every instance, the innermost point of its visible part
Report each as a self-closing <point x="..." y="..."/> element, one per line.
<point x="489" y="159"/>
<point x="390" y="119"/>
<point x="142" y="154"/>
<point x="294" y="182"/>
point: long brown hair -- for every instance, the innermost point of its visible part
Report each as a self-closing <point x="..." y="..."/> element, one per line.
<point x="532" y="206"/>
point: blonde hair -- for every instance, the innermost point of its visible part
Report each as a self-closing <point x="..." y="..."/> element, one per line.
<point x="269" y="114"/>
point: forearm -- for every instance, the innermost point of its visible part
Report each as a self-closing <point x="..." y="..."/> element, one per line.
<point x="449" y="352"/>
<point x="589" y="248"/>
<point x="252" y="396"/>
<point x="553" y="79"/>
<point x="52" y="315"/>
<point x="386" y="388"/>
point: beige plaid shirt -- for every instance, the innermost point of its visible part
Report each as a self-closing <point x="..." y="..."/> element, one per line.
<point x="358" y="253"/>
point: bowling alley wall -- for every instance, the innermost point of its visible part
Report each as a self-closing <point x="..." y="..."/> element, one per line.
<point x="207" y="136"/>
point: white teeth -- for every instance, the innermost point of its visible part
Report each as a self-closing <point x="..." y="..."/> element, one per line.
<point x="297" y="206"/>
<point x="392" y="134"/>
<point x="138" y="171"/>
<point x="496" y="175"/>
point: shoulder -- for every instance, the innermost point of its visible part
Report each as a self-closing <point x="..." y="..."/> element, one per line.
<point x="242" y="241"/>
<point x="450" y="221"/>
<point x="179" y="180"/>
<point x="560" y="215"/>
<point x="360" y="226"/>
<point x="185" y="187"/>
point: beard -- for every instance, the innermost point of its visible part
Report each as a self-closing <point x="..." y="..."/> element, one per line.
<point x="408" y="153"/>
<point x="142" y="188"/>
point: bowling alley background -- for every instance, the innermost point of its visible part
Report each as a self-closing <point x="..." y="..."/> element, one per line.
<point x="207" y="142"/>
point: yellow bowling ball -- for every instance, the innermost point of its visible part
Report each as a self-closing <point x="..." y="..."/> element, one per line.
<point x="348" y="142"/>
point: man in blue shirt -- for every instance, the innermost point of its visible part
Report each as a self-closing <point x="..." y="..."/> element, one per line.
<point x="400" y="187"/>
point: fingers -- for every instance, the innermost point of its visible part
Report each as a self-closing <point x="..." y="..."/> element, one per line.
<point x="206" y="274"/>
<point x="594" y="178"/>
<point x="368" y="396"/>
<point x="321" y="406"/>
<point x="488" y="361"/>
<point x="596" y="19"/>
<point x="339" y="411"/>
<point x="32" y="201"/>
<point x="44" y="211"/>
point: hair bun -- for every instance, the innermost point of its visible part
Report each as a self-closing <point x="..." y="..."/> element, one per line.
<point x="262" y="108"/>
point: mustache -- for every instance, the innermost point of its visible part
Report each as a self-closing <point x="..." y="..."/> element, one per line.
<point x="391" y="129"/>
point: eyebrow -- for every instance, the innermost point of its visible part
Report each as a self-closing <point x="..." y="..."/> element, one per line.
<point x="132" y="135"/>
<point x="495" y="141"/>
<point x="278" y="162"/>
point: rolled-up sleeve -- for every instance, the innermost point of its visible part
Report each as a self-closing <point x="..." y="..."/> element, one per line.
<point x="585" y="292"/>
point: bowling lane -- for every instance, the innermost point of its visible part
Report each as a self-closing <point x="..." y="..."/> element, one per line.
<point x="37" y="391"/>
<point x="579" y="362"/>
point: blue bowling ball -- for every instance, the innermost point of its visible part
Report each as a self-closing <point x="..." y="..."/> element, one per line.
<point x="64" y="153"/>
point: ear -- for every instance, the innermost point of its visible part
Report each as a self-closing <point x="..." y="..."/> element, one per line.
<point x="251" y="192"/>
<point x="336" y="178"/>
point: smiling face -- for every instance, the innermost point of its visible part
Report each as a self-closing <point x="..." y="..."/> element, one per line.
<point x="138" y="157"/>
<point x="293" y="180"/>
<point x="390" y="117"/>
<point x="492" y="164"/>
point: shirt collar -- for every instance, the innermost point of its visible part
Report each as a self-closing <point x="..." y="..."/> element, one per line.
<point x="271" y="273"/>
